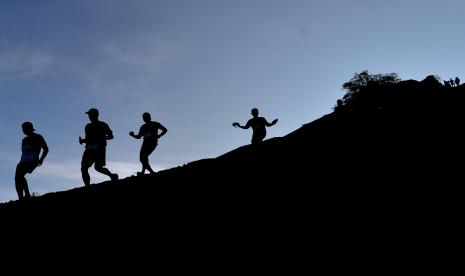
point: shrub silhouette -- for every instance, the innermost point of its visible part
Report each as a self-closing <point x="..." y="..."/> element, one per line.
<point x="432" y="81"/>
<point x="363" y="80"/>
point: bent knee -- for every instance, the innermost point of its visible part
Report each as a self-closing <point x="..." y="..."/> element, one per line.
<point x="144" y="158"/>
<point x="99" y="167"/>
<point x="20" y="171"/>
<point x="20" y="176"/>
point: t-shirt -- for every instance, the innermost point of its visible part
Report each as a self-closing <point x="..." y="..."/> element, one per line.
<point x="96" y="134"/>
<point x="258" y="124"/>
<point x="150" y="131"/>
<point x="31" y="146"/>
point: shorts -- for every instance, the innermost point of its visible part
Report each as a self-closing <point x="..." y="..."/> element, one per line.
<point x="147" y="148"/>
<point x="92" y="156"/>
<point x="257" y="138"/>
<point x="26" y="166"/>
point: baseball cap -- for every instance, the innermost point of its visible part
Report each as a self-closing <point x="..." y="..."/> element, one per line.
<point x="28" y="125"/>
<point x="92" y="111"/>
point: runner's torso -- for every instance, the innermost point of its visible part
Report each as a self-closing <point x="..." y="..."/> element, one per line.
<point x="31" y="146"/>
<point x="258" y="126"/>
<point x="150" y="131"/>
<point x="96" y="135"/>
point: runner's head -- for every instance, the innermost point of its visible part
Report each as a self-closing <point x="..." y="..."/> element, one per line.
<point x="93" y="114"/>
<point x="28" y="128"/>
<point x="254" y="112"/>
<point x="146" y="117"/>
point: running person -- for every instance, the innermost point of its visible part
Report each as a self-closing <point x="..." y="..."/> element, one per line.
<point x="258" y="125"/>
<point x="31" y="146"/>
<point x="149" y="131"/>
<point x="97" y="134"/>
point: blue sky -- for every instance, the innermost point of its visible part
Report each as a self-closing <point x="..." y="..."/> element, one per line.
<point x="197" y="66"/>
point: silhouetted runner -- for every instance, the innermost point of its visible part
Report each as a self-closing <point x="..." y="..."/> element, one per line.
<point x="97" y="134"/>
<point x="258" y="124"/>
<point x="149" y="131"/>
<point x="457" y="81"/>
<point x="31" y="146"/>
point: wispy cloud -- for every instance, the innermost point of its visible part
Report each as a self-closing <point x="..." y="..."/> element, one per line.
<point x="64" y="170"/>
<point x="70" y="170"/>
<point x="22" y="63"/>
<point x="8" y="156"/>
<point x="125" y="169"/>
<point x="7" y="194"/>
<point x="285" y="38"/>
<point x="148" y="51"/>
<point x="56" y="176"/>
<point x="130" y="66"/>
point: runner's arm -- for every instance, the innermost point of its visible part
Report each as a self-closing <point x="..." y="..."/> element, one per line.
<point x="272" y="123"/>
<point x="138" y="136"/>
<point x="109" y="133"/>
<point x="164" y="130"/>
<point x="243" y="127"/>
<point x="44" y="152"/>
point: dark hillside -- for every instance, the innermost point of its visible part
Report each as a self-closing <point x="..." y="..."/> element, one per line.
<point x="390" y="160"/>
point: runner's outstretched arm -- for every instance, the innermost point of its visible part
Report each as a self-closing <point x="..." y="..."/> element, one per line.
<point x="272" y="123"/>
<point x="138" y="136"/>
<point x="163" y="131"/>
<point x="44" y="153"/>
<point x="110" y="135"/>
<point x="238" y="125"/>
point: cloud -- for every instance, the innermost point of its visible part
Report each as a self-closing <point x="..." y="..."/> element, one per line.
<point x="7" y="194"/>
<point x="148" y="53"/>
<point x="125" y="169"/>
<point x="64" y="170"/>
<point x="70" y="170"/>
<point x="285" y="39"/>
<point x="130" y="67"/>
<point x="56" y="176"/>
<point x="22" y="63"/>
<point x="8" y="156"/>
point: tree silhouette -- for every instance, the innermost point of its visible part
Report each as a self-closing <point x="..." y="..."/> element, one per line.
<point x="362" y="80"/>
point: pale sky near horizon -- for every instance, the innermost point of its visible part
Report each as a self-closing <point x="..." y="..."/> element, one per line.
<point x="197" y="66"/>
